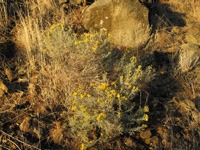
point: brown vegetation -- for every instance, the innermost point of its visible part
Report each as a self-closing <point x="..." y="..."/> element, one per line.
<point x="57" y="81"/>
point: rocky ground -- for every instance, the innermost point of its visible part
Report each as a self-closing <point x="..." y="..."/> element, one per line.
<point x="27" y="121"/>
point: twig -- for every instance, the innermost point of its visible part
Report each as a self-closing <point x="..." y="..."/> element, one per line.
<point x="19" y="140"/>
<point x="15" y="144"/>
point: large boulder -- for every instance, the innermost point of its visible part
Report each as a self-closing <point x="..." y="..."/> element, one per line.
<point x="193" y="33"/>
<point x="188" y="57"/>
<point x="126" y="21"/>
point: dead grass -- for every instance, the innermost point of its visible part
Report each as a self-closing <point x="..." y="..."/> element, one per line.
<point x="50" y="83"/>
<point x="190" y="7"/>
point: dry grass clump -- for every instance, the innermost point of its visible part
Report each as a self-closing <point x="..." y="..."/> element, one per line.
<point x="191" y="8"/>
<point x="80" y="91"/>
<point x="181" y="125"/>
<point x="4" y="19"/>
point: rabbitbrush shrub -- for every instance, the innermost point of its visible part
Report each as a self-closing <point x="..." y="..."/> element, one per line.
<point x="108" y="109"/>
<point x="105" y="107"/>
<point x="72" y="61"/>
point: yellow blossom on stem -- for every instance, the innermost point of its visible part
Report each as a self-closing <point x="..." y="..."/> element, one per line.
<point x="133" y="59"/>
<point x="103" y="86"/>
<point x="75" y="101"/>
<point x="86" y="40"/>
<point x="113" y="83"/>
<point x="139" y="66"/>
<point x="119" y="114"/>
<point x="146" y="117"/>
<point x="82" y="96"/>
<point x="99" y="100"/>
<point x="101" y="116"/>
<point x="74" y="108"/>
<point x="113" y="92"/>
<point x="82" y="147"/>
<point x="118" y="95"/>
<point x="146" y="108"/>
<point x="121" y="77"/>
<point x="75" y="94"/>
<point x="144" y="125"/>
<point x="76" y="43"/>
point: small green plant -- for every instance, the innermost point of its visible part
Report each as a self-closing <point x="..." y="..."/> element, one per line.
<point x="108" y="109"/>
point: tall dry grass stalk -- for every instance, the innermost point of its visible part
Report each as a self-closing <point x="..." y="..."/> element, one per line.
<point x="63" y="70"/>
<point x="4" y="20"/>
<point x="32" y="22"/>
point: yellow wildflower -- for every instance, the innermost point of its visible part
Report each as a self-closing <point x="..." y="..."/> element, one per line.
<point x="146" y="108"/>
<point x="101" y="134"/>
<point x="118" y="95"/>
<point x="135" y="77"/>
<point x="108" y="96"/>
<point x="75" y="101"/>
<point x="113" y="83"/>
<point x="80" y="42"/>
<point x="144" y="125"/>
<point x="74" y="108"/>
<point x="92" y="84"/>
<point x="89" y="95"/>
<point x="75" y="94"/>
<point x="146" y="117"/>
<point x="101" y="116"/>
<point x="103" y="86"/>
<point x="134" y="88"/>
<point x="133" y="59"/>
<point x="86" y="40"/>
<point x="76" y="43"/>
<point x="113" y="92"/>
<point x="121" y="77"/>
<point x="119" y="114"/>
<point x="95" y="46"/>
<point x="85" y="109"/>
<point x="82" y="96"/>
<point x="127" y="79"/>
<point x="99" y="100"/>
<point x="122" y="58"/>
<point x="124" y="98"/>
<point x="139" y="66"/>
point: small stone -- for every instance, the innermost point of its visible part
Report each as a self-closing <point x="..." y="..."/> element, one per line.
<point x="145" y="134"/>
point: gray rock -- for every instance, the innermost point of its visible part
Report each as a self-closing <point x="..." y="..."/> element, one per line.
<point x="193" y="33"/>
<point x="126" y="21"/>
<point x="188" y="58"/>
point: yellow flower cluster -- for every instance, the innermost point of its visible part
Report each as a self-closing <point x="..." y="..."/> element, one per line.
<point x="93" y="84"/>
<point x="146" y="117"/>
<point x="56" y="26"/>
<point x="133" y="59"/>
<point x="79" y="42"/>
<point x="146" y="108"/>
<point x="101" y="117"/>
<point x="103" y="86"/>
<point x="95" y="46"/>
